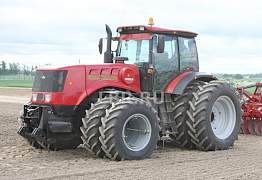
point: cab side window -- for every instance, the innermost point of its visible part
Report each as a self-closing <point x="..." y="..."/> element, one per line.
<point x="168" y="60"/>
<point x="188" y="53"/>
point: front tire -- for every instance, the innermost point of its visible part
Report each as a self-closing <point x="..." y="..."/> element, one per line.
<point x="215" y="115"/>
<point x="130" y="130"/>
<point x="91" y="122"/>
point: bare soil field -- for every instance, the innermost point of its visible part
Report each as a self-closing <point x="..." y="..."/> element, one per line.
<point x="20" y="161"/>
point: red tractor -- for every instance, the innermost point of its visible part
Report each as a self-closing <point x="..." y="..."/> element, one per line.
<point x="149" y="88"/>
<point x="251" y="100"/>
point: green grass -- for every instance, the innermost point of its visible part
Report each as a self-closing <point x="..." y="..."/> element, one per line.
<point x="16" y="77"/>
<point x="19" y="80"/>
<point x="16" y="83"/>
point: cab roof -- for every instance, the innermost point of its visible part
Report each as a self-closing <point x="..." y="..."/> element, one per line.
<point x="153" y="29"/>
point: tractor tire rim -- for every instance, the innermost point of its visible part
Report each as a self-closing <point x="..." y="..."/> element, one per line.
<point x="223" y="117"/>
<point x="136" y="132"/>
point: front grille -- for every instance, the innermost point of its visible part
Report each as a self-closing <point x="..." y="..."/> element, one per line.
<point x="49" y="81"/>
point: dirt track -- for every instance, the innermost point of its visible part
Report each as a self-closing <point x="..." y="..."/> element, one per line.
<point x="19" y="161"/>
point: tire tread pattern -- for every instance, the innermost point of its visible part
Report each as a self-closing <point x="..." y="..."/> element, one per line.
<point x="184" y="128"/>
<point x="91" y="122"/>
<point x="197" y="113"/>
<point x="109" y="122"/>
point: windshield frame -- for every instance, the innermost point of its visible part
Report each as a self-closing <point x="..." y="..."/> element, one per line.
<point x="137" y="36"/>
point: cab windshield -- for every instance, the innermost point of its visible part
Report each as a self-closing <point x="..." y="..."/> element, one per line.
<point x="137" y="51"/>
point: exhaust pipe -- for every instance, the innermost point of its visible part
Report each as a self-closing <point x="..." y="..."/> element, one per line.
<point x="108" y="56"/>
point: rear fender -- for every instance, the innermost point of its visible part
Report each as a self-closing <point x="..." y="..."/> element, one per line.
<point x="178" y="85"/>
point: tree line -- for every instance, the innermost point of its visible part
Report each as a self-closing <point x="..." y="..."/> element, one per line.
<point x="239" y="76"/>
<point x="15" y="68"/>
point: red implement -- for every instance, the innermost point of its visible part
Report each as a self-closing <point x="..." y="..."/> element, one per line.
<point x="251" y="100"/>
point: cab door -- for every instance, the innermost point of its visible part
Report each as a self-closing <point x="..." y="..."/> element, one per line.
<point x="166" y="64"/>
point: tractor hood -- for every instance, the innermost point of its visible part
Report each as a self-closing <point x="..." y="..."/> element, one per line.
<point x="70" y="85"/>
<point x="119" y="75"/>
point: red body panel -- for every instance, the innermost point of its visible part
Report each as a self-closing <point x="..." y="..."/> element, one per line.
<point x="140" y="36"/>
<point x="111" y="76"/>
<point x="171" y="86"/>
<point x="74" y="87"/>
<point x="83" y="80"/>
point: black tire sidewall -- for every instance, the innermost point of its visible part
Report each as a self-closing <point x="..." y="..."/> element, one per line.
<point x="223" y="90"/>
<point x="123" y="151"/>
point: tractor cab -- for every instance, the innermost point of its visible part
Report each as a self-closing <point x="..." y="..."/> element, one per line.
<point x="160" y="54"/>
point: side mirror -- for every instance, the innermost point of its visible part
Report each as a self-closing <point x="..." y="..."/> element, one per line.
<point x="100" y="45"/>
<point x="160" y="44"/>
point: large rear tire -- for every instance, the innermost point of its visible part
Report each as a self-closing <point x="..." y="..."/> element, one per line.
<point x="130" y="130"/>
<point x="91" y="122"/>
<point x="215" y="115"/>
<point x="180" y="105"/>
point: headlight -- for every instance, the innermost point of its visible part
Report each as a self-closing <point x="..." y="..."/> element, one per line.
<point x="34" y="97"/>
<point x="48" y="98"/>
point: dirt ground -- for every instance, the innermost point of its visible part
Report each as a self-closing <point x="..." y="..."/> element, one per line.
<point x="19" y="161"/>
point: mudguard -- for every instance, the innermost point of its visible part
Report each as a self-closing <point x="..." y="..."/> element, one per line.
<point x="178" y="85"/>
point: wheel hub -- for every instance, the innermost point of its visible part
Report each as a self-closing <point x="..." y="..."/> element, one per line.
<point x="223" y="117"/>
<point x="136" y="132"/>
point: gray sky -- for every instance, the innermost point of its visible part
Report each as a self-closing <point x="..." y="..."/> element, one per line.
<point x="61" y="32"/>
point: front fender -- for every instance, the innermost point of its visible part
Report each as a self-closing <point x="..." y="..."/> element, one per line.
<point x="178" y="85"/>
